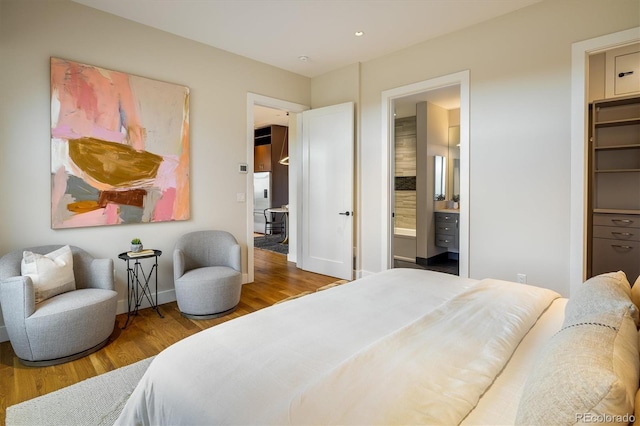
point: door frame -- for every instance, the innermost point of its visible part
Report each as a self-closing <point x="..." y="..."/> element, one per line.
<point x="578" y="212"/>
<point x="388" y="96"/>
<point x="254" y="99"/>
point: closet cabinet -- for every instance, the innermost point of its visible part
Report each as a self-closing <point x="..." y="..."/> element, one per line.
<point x="623" y="71"/>
<point x="262" y="158"/>
<point x="615" y="186"/>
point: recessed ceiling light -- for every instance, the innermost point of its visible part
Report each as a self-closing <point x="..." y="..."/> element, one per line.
<point x="303" y="58"/>
<point x="359" y="33"/>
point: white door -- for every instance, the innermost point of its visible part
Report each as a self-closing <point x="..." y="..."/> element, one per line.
<point x="327" y="191"/>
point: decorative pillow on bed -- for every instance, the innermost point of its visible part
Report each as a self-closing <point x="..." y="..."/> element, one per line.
<point x="51" y="274"/>
<point x="601" y="298"/>
<point x="588" y="372"/>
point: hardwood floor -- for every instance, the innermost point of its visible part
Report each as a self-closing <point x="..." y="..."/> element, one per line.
<point x="147" y="334"/>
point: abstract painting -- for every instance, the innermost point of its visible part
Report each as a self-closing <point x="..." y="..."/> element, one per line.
<point x="119" y="147"/>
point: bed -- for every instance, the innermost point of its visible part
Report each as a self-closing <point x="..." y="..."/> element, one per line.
<point x="406" y="346"/>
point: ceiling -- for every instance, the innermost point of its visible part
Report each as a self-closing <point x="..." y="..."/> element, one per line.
<point x="279" y="32"/>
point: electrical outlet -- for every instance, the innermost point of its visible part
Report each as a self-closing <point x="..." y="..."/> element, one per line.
<point x="521" y="278"/>
<point x="240" y="197"/>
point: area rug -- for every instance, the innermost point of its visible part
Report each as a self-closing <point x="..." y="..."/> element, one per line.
<point x="95" y="401"/>
<point x="271" y="243"/>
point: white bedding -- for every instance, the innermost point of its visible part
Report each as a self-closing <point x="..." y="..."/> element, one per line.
<point x="499" y="405"/>
<point x="278" y="365"/>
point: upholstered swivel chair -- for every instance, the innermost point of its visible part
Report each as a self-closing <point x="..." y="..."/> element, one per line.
<point x="207" y="271"/>
<point x="66" y="326"/>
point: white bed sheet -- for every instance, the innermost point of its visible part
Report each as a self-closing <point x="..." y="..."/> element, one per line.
<point x="499" y="405"/>
<point x="254" y="363"/>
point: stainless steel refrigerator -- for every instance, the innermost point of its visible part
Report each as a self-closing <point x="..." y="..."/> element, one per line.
<point x="261" y="199"/>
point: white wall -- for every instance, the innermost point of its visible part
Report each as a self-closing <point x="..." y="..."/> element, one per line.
<point x="520" y="87"/>
<point x="31" y="32"/>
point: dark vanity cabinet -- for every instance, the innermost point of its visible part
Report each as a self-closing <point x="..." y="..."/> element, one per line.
<point x="447" y="234"/>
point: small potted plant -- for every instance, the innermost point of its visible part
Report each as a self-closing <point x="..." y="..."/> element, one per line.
<point x="136" y="245"/>
<point x="456" y="201"/>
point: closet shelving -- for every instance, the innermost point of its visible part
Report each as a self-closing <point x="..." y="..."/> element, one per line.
<point x="616" y="156"/>
<point x="615" y="186"/>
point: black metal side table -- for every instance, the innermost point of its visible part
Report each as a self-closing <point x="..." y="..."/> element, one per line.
<point x="138" y="283"/>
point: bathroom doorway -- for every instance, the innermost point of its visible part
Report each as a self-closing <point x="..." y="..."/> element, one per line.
<point x="427" y="180"/>
<point x="427" y="140"/>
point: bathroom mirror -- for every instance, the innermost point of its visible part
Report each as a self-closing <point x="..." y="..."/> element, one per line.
<point x="454" y="158"/>
<point x="440" y="178"/>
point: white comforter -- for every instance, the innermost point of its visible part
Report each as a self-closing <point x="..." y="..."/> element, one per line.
<point x="403" y="346"/>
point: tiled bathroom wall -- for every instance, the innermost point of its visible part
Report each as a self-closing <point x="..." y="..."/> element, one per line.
<point x="405" y="173"/>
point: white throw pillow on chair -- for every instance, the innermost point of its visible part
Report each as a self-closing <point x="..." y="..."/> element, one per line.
<point x="51" y="274"/>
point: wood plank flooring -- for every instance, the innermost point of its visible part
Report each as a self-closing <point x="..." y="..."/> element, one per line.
<point x="147" y="334"/>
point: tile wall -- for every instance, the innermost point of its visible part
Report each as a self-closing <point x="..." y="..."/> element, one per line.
<point x="405" y="172"/>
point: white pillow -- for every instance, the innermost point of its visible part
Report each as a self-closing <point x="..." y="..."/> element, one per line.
<point x="589" y="370"/>
<point x="51" y="274"/>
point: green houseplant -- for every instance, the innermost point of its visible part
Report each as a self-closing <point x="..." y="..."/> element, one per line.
<point x="136" y="245"/>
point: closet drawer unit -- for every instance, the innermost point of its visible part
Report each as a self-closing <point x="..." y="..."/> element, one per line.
<point x="618" y="220"/>
<point x="614" y="255"/>
<point x="617" y="233"/>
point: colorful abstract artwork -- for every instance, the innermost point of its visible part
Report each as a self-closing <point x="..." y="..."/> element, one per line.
<point x="119" y="148"/>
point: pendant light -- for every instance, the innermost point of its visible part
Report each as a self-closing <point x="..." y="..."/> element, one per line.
<point x="284" y="154"/>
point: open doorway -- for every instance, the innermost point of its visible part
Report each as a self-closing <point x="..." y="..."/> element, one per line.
<point x="389" y="98"/>
<point x="271" y="106"/>
<point x="271" y="179"/>
<point x="426" y="187"/>
<point x="578" y="232"/>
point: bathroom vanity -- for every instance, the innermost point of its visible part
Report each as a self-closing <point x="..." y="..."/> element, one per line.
<point x="447" y="229"/>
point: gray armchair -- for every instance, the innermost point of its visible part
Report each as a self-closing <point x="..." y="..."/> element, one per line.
<point x="207" y="271"/>
<point x="64" y="327"/>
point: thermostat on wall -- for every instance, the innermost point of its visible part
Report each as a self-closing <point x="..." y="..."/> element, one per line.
<point x="242" y="168"/>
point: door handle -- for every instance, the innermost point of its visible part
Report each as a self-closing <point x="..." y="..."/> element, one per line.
<point x="622" y="247"/>
<point x="345" y="213"/>
<point x="627" y="221"/>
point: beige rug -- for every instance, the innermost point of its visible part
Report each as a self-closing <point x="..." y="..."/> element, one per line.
<point x="95" y="401"/>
